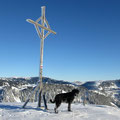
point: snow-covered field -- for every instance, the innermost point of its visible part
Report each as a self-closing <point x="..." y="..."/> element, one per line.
<point x="14" y="111"/>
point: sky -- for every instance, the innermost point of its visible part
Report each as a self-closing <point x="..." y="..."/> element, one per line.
<point x="86" y="46"/>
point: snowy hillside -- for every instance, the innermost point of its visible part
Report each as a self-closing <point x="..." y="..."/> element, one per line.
<point x="92" y="92"/>
<point x="18" y="89"/>
<point x="13" y="111"/>
<point x="108" y="88"/>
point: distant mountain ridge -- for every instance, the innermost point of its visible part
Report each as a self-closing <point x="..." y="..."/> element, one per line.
<point x="92" y="92"/>
<point x="34" y="80"/>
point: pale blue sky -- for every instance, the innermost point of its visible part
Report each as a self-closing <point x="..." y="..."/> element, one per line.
<point x="86" y="47"/>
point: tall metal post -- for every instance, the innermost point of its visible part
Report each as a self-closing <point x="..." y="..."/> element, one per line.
<point x="41" y="55"/>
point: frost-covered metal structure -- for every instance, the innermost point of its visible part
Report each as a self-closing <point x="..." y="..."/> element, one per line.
<point x="41" y="33"/>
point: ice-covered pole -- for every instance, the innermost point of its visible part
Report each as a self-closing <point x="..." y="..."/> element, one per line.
<point x="41" y="55"/>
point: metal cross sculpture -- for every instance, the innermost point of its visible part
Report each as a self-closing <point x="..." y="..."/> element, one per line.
<point x="44" y="26"/>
